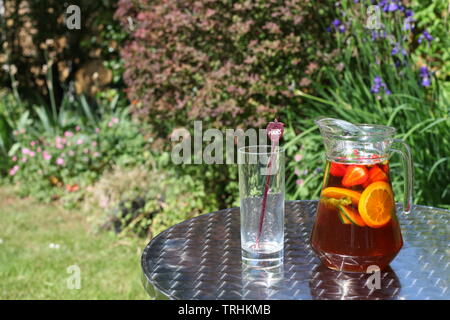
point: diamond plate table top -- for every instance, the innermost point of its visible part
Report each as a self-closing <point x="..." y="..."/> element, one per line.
<point x="201" y="259"/>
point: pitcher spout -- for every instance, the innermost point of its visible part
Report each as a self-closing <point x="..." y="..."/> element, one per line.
<point x="337" y="127"/>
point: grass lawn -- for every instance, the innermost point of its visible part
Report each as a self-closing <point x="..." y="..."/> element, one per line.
<point x="32" y="268"/>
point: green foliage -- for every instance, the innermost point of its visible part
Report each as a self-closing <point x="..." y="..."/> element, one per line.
<point x="348" y="89"/>
<point x="146" y="201"/>
<point x="10" y="114"/>
<point x="53" y="159"/>
<point x="434" y="17"/>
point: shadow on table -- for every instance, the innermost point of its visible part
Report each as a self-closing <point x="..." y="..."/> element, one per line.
<point x="335" y="285"/>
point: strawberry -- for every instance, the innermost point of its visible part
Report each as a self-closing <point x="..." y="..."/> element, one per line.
<point x="355" y="175"/>
<point x="377" y="174"/>
<point x="337" y="169"/>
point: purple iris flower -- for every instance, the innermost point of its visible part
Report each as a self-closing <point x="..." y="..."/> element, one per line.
<point x="425" y="76"/>
<point x="336" y="22"/>
<point x="374" y="35"/>
<point x="408" y="23"/>
<point x="424" y="71"/>
<point x="338" y="25"/>
<point x="409" y="13"/>
<point x="392" y="7"/>
<point x="379" y="84"/>
<point x="425" y="35"/>
<point x="397" y="48"/>
<point x="426" y="82"/>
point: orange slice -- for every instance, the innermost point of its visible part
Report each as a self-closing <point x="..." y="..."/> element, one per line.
<point x="340" y="193"/>
<point x="351" y="215"/>
<point x="376" y="204"/>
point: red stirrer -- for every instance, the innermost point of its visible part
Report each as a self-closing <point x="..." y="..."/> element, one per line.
<point x="275" y="131"/>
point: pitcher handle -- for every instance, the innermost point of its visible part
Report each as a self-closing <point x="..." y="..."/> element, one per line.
<point x="404" y="150"/>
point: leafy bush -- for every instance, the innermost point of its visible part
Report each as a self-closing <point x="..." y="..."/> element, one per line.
<point x="374" y="79"/>
<point x="49" y="165"/>
<point x="11" y="111"/>
<point x="145" y="200"/>
<point x="228" y="63"/>
<point x="433" y="20"/>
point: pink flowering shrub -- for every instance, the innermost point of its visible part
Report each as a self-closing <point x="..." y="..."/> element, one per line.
<point x="50" y="166"/>
<point x="226" y="62"/>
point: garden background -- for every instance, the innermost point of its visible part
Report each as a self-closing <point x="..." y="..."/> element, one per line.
<point x="86" y="116"/>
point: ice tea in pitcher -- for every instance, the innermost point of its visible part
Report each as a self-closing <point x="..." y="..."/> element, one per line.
<point x="356" y="224"/>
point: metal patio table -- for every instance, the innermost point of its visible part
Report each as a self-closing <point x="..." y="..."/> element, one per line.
<point x="201" y="259"/>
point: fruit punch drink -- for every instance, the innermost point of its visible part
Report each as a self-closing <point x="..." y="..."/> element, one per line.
<point x="356" y="224"/>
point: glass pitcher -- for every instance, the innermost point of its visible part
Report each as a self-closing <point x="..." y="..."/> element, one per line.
<point x="356" y="225"/>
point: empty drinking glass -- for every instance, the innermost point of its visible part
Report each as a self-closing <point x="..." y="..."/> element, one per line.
<point x="261" y="189"/>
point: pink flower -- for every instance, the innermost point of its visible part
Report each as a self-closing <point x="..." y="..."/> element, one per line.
<point x="97" y="130"/>
<point x="68" y="134"/>
<point x="115" y="120"/>
<point x="14" y="158"/>
<point x="300" y="182"/>
<point x="32" y="143"/>
<point x="46" y="156"/>
<point x="298" y="157"/>
<point x="59" y="142"/>
<point x="80" y="141"/>
<point x="77" y="128"/>
<point x="297" y="171"/>
<point x="14" y="170"/>
<point x="94" y="144"/>
<point x="32" y="154"/>
<point x="24" y="159"/>
<point x="110" y="124"/>
<point x="71" y="153"/>
<point x="60" y="161"/>
<point x="25" y="151"/>
<point x="38" y="149"/>
<point x="231" y="88"/>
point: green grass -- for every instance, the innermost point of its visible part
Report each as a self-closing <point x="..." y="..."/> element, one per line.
<point x="30" y="269"/>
